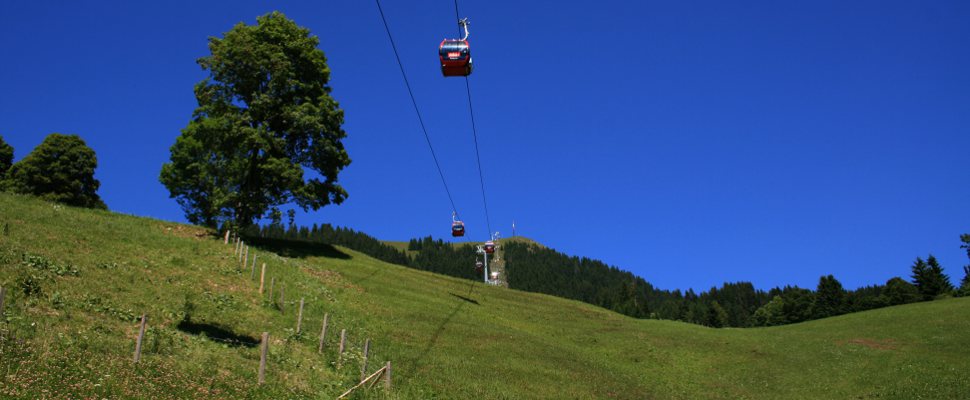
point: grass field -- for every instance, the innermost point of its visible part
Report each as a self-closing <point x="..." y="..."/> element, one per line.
<point x="77" y="280"/>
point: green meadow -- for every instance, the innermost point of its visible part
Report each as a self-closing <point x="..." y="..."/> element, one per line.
<point x="78" y="280"/>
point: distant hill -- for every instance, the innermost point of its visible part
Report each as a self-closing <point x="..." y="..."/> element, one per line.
<point x="77" y="281"/>
<point x="524" y="264"/>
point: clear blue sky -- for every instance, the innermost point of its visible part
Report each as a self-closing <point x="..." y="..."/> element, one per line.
<point x="692" y="142"/>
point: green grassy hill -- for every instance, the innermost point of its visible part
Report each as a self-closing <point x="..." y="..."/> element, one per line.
<point x="77" y="280"/>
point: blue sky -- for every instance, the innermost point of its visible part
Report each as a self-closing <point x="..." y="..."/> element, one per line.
<point x="691" y="142"/>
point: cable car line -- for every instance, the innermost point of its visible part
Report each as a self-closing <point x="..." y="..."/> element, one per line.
<point x="455" y="60"/>
<point x="416" y="110"/>
<point x="478" y="157"/>
<point x="489" y="246"/>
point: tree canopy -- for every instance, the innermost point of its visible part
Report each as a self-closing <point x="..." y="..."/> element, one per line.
<point x="965" y="282"/>
<point x="829" y="298"/>
<point x="964" y="289"/>
<point x="60" y="169"/>
<point x="771" y="314"/>
<point x="929" y="278"/>
<point x="265" y="119"/>
<point x="898" y="291"/>
<point x="6" y="157"/>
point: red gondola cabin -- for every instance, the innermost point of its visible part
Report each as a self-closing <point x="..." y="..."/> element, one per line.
<point x="455" y="57"/>
<point x="457" y="229"/>
<point x="489" y="247"/>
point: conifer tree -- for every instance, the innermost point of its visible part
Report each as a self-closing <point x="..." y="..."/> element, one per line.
<point x="829" y="298"/>
<point x="717" y="317"/>
<point x="929" y="278"/>
<point x="798" y="304"/>
<point x="965" y="282"/>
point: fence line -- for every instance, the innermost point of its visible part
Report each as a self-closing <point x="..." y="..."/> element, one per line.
<point x="241" y="250"/>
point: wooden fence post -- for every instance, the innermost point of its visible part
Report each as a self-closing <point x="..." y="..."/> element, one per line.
<point x="141" y="335"/>
<point x="262" y="278"/>
<point x="252" y="274"/>
<point x="245" y="257"/>
<point x="340" y="350"/>
<point x="299" y="318"/>
<point x="387" y="376"/>
<point x="3" y="294"/>
<point x="226" y="240"/>
<point x="282" y="288"/>
<point x="272" y="285"/>
<point x="363" y="367"/>
<point x="323" y="332"/>
<point x="262" y="358"/>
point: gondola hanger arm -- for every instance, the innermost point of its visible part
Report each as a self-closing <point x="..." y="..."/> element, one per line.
<point x="463" y="23"/>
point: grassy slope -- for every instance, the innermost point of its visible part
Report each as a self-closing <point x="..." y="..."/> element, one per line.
<point x="448" y="338"/>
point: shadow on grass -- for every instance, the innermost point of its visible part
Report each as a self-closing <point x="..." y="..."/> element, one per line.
<point x="373" y="273"/>
<point x="218" y="334"/>
<point x="473" y="301"/>
<point x="433" y="342"/>
<point x="296" y="248"/>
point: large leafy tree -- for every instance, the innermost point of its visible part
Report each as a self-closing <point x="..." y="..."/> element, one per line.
<point x="772" y="313"/>
<point x="60" y="169"/>
<point x="265" y="121"/>
<point x="798" y="304"/>
<point x="6" y="157"/>
<point x="898" y="291"/>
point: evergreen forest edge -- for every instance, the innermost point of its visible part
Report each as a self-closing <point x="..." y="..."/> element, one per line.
<point x="533" y="268"/>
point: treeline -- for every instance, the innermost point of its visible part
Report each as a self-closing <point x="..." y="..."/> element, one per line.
<point x="427" y="253"/>
<point x="536" y="269"/>
<point x="443" y="257"/>
<point x="533" y="268"/>
<point x="329" y="234"/>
